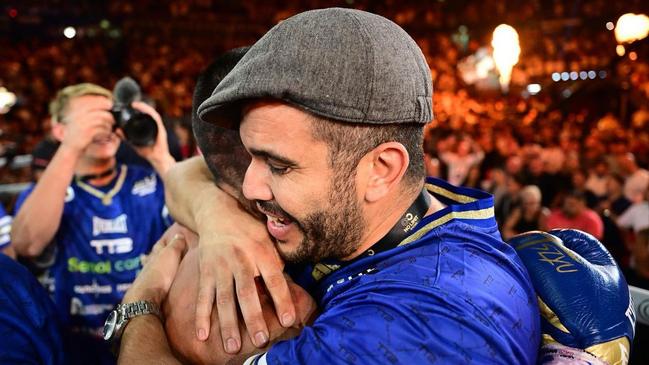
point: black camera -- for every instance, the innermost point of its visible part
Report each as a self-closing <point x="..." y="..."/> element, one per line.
<point x="139" y="128"/>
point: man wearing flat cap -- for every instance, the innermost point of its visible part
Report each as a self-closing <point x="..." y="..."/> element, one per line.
<point x="330" y="105"/>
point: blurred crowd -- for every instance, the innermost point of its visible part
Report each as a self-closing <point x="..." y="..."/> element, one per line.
<point x="583" y="141"/>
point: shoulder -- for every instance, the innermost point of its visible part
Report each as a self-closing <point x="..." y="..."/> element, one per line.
<point x="27" y="318"/>
<point x="390" y="326"/>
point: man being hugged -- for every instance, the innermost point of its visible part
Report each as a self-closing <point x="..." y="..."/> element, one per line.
<point x="89" y="220"/>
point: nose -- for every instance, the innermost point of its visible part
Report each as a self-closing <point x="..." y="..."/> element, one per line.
<point x="255" y="182"/>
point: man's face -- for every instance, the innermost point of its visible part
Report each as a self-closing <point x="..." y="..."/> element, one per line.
<point x="103" y="145"/>
<point x="572" y="206"/>
<point x="313" y="211"/>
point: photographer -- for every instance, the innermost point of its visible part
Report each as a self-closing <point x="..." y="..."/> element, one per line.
<point x="89" y="219"/>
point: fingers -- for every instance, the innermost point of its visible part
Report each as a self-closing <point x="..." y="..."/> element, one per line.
<point x="226" y="305"/>
<point x="146" y="108"/>
<point x="205" y="300"/>
<point x="280" y="293"/>
<point x="246" y="289"/>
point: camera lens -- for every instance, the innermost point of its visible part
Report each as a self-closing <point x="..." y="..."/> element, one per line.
<point x="140" y="130"/>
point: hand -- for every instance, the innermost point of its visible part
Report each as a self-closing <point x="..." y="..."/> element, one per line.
<point x="234" y="248"/>
<point x="583" y="297"/>
<point x="155" y="279"/>
<point x="87" y="119"/>
<point x="158" y="153"/>
<point x="179" y="317"/>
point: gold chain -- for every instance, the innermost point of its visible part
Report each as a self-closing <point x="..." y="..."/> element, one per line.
<point x="106" y="198"/>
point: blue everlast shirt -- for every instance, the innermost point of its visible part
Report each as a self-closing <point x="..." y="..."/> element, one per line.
<point x="29" y="329"/>
<point x="103" y="236"/>
<point x="452" y="293"/>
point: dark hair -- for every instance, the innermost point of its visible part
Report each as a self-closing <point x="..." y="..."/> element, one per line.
<point x="349" y="142"/>
<point x="212" y="75"/>
<point x="577" y="194"/>
<point x="222" y="149"/>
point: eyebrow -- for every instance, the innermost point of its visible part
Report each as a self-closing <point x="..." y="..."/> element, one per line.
<point x="272" y="156"/>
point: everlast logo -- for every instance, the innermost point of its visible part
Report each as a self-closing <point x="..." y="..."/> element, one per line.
<point x="116" y="225"/>
<point x="409" y="222"/>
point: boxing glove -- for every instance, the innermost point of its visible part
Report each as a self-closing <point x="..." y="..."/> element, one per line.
<point x="583" y="297"/>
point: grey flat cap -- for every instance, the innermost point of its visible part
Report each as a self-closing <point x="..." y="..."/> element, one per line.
<point x="344" y="64"/>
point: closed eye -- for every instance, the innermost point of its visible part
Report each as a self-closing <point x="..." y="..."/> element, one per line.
<point x="278" y="170"/>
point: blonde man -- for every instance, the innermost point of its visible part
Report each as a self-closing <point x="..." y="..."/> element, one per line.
<point x="89" y="219"/>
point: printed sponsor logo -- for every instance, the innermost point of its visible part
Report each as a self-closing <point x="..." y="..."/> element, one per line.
<point x="93" y="288"/>
<point x="76" y="265"/>
<point x="145" y="186"/>
<point x="369" y="271"/>
<point x="122" y="287"/>
<point x="77" y="308"/>
<point x="113" y="246"/>
<point x="409" y="222"/>
<point x="116" y="225"/>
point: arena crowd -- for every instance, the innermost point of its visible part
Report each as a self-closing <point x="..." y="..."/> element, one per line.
<point x="575" y="155"/>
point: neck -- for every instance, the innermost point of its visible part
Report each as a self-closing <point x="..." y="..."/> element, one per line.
<point x="387" y="215"/>
<point x="91" y="166"/>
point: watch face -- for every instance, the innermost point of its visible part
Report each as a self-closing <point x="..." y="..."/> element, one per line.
<point x="109" y="326"/>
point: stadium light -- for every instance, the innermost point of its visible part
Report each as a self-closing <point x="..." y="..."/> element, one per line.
<point x="69" y="32"/>
<point x="506" y="52"/>
<point x="7" y="100"/>
<point x="533" y="89"/>
<point x="631" y="27"/>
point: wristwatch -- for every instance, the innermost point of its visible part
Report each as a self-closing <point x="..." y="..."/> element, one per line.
<point x="119" y="317"/>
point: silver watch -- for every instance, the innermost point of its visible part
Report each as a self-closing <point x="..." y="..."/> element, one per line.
<point x="119" y="317"/>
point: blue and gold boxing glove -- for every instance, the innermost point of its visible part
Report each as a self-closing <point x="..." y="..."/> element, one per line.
<point x="583" y="297"/>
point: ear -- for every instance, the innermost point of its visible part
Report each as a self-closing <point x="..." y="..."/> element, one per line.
<point x="58" y="131"/>
<point x="387" y="163"/>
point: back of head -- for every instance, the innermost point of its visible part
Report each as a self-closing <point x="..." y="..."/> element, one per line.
<point x="59" y="105"/>
<point x="216" y="143"/>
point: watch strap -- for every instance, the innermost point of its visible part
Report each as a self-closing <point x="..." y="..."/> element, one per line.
<point x="138" y="308"/>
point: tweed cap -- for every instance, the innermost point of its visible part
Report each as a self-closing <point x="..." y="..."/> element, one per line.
<point x="343" y="64"/>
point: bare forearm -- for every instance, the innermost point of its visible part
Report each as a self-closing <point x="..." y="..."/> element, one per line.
<point x="191" y="193"/>
<point x="144" y="342"/>
<point x="185" y="184"/>
<point x="163" y="164"/>
<point x="39" y="217"/>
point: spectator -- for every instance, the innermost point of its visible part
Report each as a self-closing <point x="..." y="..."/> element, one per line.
<point x="636" y="178"/>
<point x="596" y="181"/>
<point x="575" y="214"/>
<point x="530" y="215"/>
<point x="465" y="155"/>
<point x="511" y="199"/>
<point x="90" y="218"/>
<point x="615" y="203"/>
<point x="636" y="218"/>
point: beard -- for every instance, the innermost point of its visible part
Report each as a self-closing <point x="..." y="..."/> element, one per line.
<point x="332" y="232"/>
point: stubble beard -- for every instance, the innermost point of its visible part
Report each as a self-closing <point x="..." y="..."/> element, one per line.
<point x="334" y="232"/>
